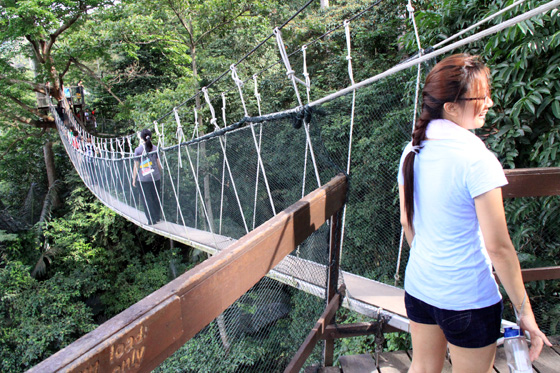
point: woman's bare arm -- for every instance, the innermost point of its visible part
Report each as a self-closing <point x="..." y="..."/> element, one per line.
<point x="491" y="217"/>
<point x="134" y="173"/>
<point x="408" y="230"/>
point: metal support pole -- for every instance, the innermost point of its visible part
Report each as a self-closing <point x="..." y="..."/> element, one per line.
<point x="332" y="280"/>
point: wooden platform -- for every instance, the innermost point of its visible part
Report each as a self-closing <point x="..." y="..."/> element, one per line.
<point x="399" y="361"/>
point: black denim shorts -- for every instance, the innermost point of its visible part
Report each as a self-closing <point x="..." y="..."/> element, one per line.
<point x="470" y="328"/>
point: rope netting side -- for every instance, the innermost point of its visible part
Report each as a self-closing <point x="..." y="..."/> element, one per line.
<point x="221" y="183"/>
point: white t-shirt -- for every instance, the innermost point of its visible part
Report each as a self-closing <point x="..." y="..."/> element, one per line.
<point x="449" y="267"/>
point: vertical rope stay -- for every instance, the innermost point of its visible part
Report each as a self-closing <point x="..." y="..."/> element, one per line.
<point x="180" y="135"/>
<point x="239" y="84"/>
<point x="199" y="192"/>
<point x="175" y="193"/>
<point x="257" y="174"/>
<point x="410" y="9"/>
<point x="258" y="149"/>
<point x="214" y="122"/>
<point x="308" y="88"/>
<point x="292" y="76"/>
<point x="223" y="165"/>
<point x="351" y="132"/>
<point x="160" y="145"/>
<point x="121" y="148"/>
<point x="306" y="74"/>
<point x="195" y="132"/>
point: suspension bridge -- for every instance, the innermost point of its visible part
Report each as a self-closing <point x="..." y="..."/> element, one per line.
<point x="298" y="198"/>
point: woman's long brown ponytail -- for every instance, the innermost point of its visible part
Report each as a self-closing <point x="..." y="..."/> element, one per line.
<point x="448" y="81"/>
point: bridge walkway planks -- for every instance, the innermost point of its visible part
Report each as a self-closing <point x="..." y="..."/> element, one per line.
<point x="311" y="276"/>
<point x="399" y="361"/>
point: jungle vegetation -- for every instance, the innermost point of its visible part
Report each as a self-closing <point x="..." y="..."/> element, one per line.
<point x="67" y="263"/>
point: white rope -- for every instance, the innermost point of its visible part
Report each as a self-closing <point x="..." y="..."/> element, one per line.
<point x="258" y="148"/>
<point x="112" y="184"/>
<point x="239" y="84"/>
<point x="224" y="109"/>
<point x="305" y="73"/>
<point x="291" y="75"/>
<point x="257" y="174"/>
<point x="214" y="122"/>
<point x="308" y="89"/>
<point x="349" y="49"/>
<point x="480" y="35"/>
<point x="282" y="48"/>
<point x="351" y="132"/>
<point x="121" y="147"/>
<point x="489" y="18"/>
<point x="223" y="165"/>
<point x="213" y="119"/>
<point x="410" y="9"/>
<point x="180" y="135"/>
<point x="195" y="131"/>
<point x="222" y="189"/>
<point x="159" y="135"/>
<point x="175" y="192"/>
<point x="260" y="164"/>
<point x="194" y="173"/>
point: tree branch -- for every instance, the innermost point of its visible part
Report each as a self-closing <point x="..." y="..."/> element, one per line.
<point x="40" y="88"/>
<point x="185" y="26"/>
<point x="36" y="123"/>
<point x="63" y="28"/>
<point x="26" y="107"/>
<point x="90" y="72"/>
<point x="225" y="22"/>
<point x="36" y="49"/>
<point x="68" y="63"/>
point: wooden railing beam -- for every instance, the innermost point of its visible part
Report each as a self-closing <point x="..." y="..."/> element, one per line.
<point x="532" y="182"/>
<point x="144" y="335"/>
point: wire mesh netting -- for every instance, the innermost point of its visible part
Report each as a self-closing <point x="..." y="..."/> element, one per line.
<point x="215" y="190"/>
<point x="535" y="232"/>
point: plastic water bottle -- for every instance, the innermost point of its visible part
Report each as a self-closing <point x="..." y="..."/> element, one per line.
<point x="517" y="351"/>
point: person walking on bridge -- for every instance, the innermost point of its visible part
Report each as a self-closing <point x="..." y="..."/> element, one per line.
<point x="148" y="169"/>
<point x="453" y="218"/>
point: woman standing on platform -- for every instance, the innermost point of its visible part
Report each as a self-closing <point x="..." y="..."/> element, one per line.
<point x="148" y="168"/>
<point x="453" y="218"/>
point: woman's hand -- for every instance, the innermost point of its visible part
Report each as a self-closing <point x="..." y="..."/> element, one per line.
<point x="538" y="339"/>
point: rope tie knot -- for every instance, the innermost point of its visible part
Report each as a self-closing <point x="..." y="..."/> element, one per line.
<point x="235" y="77"/>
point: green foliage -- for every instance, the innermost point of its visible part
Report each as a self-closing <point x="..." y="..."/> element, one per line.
<point x="142" y="53"/>
<point x="397" y="341"/>
<point x="38" y="318"/>
<point x="250" y="351"/>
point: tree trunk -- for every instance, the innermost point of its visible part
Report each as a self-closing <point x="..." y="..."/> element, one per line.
<point x="324" y="4"/>
<point x="51" y="170"/>
<point x="205" y="168"/>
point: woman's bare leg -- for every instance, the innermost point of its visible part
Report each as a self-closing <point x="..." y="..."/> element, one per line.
<point x="429" y="347"/>
<point x="472" y="360"/>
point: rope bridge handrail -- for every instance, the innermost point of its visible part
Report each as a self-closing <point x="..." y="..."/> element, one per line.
<point x="145" y="334"/>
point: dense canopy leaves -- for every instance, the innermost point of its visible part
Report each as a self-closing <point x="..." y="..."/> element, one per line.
<point x="139" y="59"/>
